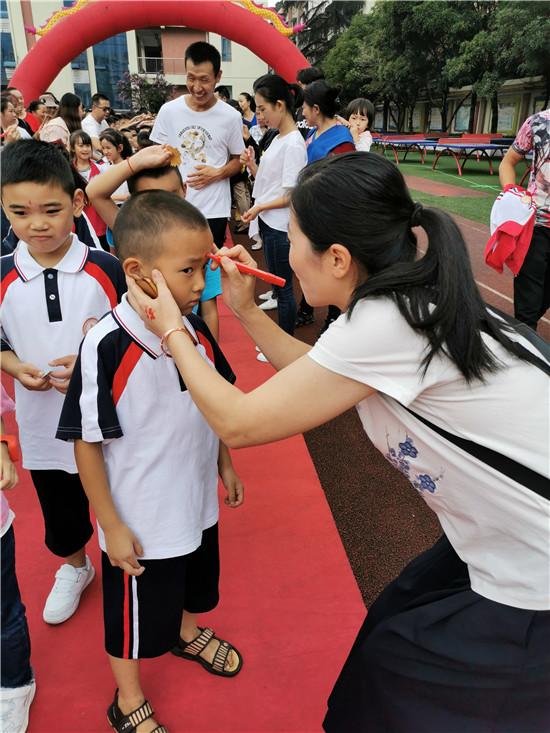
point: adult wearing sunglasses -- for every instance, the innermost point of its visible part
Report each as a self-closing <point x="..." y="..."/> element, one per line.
<point x="95" y="121"/>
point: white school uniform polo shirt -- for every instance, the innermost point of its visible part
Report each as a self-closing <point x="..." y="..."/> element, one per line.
<point x="202" y="138"/>
<point x="45" y="313"/>
<point x="498" y="527"/>
<point x="160" y="453"/>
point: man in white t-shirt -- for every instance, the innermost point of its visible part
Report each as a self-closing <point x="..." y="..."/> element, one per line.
<point x="208" y="134"/>
<point x="95" y="122"/>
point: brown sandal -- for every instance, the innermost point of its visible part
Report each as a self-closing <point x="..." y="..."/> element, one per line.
<point x="191" y="650"/>
<point x="128" y="723"/>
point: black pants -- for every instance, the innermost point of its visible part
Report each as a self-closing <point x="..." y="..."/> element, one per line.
<point x="532" y="283"/>
<point x="65" y="510"/>
<point x="433" y="656"/>
<point x="218" y="227"/>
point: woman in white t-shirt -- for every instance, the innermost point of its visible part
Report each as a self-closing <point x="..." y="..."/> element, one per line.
<point x="275" y="176"/>
<point x="456" y="397"/>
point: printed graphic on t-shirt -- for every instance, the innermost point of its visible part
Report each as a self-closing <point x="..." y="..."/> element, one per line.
<point x="194" y="145"/>
<point x="534" y="135"/>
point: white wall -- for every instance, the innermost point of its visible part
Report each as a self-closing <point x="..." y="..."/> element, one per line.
<point x="244" y="68"/>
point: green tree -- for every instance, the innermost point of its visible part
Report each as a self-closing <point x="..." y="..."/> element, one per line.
<point x="141" y="94"/>
<point x="349" y="63"/>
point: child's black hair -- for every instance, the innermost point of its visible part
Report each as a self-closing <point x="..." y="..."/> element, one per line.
<point x="274" y="88"/>
<point x="116" y="138"/>
<point x="155" y="173"/>
<point x="361" y="106"/>
<point x="200" y="52"/>
<point x="81" y="135"/>
<point x="144" y="215"/>
<point x="324" y="96"/>
<point x="34" y="161"/>
<point x="143" y="140"/>
<point x="362" y="201"/>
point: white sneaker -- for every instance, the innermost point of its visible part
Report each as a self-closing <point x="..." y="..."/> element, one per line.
<point x="262" y="357"/>
<point x="15" y="704"/>
<point x="268" y="305"/>
<point x="256" y="246"/>
<point x="65" y="595"/>
<point x="266" y="296"/>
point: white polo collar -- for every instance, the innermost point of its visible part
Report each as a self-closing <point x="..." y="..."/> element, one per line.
<point x="73" y="262"/>
<point x="128" y="319"/>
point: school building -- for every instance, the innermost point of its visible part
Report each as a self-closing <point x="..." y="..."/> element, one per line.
<point x="517" y="100"/>
<point x="144" y="51"/>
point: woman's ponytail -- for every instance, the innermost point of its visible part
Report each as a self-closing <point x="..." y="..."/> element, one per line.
<point x="374" y="218"/>
<point x="274" y="88"/>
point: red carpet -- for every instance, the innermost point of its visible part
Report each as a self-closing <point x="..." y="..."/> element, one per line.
<point x="289" y="602"/>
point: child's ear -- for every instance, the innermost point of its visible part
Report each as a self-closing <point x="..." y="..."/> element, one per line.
<point x="78" y="202"/>
<point x="133" y="268"/>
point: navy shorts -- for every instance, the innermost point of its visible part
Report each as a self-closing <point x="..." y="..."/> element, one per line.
<point x="142" y="614"/>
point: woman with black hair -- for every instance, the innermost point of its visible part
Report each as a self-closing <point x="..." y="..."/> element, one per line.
<point x="68" y="120"/>
<point x="275" y="176"/>
<point x="325" y="137"/>
<point x="248" y="109"/>
<point x="455" y="395"/>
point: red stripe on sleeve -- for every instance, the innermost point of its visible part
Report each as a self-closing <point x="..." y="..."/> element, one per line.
<point x="207" y="346"/>
<point x="103" y="279"/>
<point x="6" y="282"/>
<point x="125" y="368"/>
<point x="126" y="618"/>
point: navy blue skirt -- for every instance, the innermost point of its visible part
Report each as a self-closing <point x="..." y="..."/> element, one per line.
<point x="433" y="656"/>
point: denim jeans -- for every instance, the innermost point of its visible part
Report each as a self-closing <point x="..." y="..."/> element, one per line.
<point x="16" y="643"/>
<point x="276" y="251"/>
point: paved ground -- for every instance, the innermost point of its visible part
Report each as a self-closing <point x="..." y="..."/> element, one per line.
<point x="382" y="521"/>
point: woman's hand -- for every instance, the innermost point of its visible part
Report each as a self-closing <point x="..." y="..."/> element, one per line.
<point x="248" y="156"/>
<point x="238" y="290"/>
<point x="159" y="314"/>
<point x="12" y="134"/>
<point x="251" y="214"/>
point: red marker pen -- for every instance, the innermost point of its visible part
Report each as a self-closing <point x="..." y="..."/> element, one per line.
<point x="260" y="274"/>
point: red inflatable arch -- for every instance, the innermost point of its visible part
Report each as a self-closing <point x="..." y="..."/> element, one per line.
<point x="104" y="18"/>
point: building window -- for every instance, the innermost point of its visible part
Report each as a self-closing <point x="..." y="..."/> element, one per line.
<point x="80" y="62"/>
<point x="8" y="55"/>
<point x="84" y="92"/>
<point x="111" y="62"/>
<point x="226" y="49"/>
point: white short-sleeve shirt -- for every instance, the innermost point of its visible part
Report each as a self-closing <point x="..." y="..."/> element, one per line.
<point x="160" y="454"/>
<point x="500" y="528"/>
<point x="45" y="313"/>
<point x="93" y="127"/>
<point x="203" y="138"/>
<point x="277" y="174"/>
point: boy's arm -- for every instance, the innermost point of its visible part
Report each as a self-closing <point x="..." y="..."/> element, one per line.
<point x="232" y="483"/>
<point x="8" y="474"/>
<point x="123" y="547"/>
<point x="101" y="188"/>
<point x="209" y="314"/>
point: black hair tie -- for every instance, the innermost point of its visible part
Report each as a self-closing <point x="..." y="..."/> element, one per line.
<point x="416" y="213"/>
